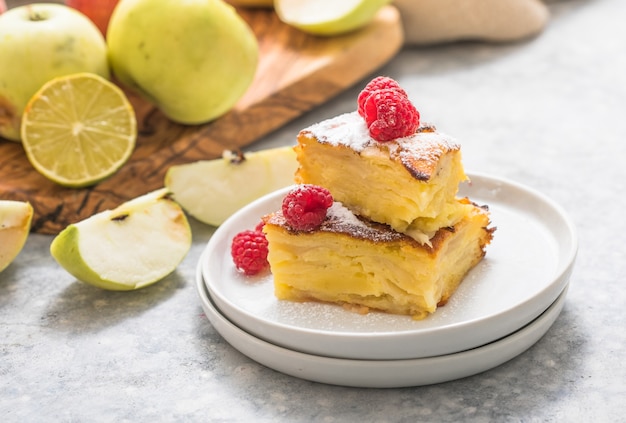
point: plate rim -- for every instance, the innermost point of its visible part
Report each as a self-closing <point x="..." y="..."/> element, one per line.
<point x="379" y="373"/>
<point x="551" y="291"/>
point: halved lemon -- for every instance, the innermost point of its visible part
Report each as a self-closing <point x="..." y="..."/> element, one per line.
<point x="328" y="17"/>
<point x="78" y="129"/>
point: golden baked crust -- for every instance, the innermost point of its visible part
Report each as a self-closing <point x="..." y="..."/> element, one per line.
<point x="362" y="264"/>
<point x="409" y="183"/>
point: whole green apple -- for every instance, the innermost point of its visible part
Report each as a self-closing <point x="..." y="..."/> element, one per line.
<point x="39" y="42"/>
<point x="193" y="59"/>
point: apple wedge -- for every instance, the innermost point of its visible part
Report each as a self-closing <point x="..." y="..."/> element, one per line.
<point x="328" y="17"/>
<point x="212" y="190"/>
<point x="130" y="247"/>
<point x="15" y="220"/>
<point x="252" y="3"/>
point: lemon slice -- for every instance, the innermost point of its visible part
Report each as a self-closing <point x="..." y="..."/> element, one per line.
<point x="78" y="129"/>
<point x="327" y="17"/>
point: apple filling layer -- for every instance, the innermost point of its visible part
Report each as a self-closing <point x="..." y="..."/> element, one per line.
<point x="409" y="183"/>
<point x="365" y="265"/>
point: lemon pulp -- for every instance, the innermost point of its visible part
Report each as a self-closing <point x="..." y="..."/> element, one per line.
<point x="78" y="129"/>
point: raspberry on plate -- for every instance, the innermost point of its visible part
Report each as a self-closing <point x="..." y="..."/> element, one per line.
<point x="378" y="83"/>
<point x="259" y="226"/>
<point x="249" y="252"/>
<point x="305" y="206"/>
<point x="390" y="114"/>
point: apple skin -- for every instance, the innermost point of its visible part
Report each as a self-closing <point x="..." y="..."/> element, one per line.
<point x="32" y="52"/>
<point x="130" y="247"/>
<point x="193" y="59"/>
<point x="15" y="221"/>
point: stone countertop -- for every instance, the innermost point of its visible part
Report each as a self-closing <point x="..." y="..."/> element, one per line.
<point x="548" y="112"/>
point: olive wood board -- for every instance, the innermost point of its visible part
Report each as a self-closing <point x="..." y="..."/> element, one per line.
<point x="296" y="72"/>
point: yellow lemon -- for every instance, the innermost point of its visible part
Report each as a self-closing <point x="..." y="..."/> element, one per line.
<point x="78" y="129"/>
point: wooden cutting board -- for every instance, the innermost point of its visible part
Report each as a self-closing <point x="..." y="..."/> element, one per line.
<point x="296" y="73"/>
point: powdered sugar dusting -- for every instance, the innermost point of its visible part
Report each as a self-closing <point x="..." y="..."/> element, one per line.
<point x="341" y="213"/>
<point x="340" y="219"/>
<point x="423" y="145"/>
<point x="350" y="130"/>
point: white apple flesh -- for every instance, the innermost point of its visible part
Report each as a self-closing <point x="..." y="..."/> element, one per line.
<point x="15" y="221"/>
<point x="328" y="17"/>
<point x="39" y="42"/>
<point x="130" y="247"/>
<point x="193" y="59"/>
<point x="212" y="190"/>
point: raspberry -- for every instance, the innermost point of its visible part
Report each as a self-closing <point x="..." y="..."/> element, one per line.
<point x="389" y="115"/>
<point x="378" y="83"/>
<point x="259" y="226"/>
<point x="249" y="252"/>
<point x="304" y="207"/>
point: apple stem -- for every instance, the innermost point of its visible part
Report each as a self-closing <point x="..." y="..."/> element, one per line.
<point x="234" y="157"/>
<point x="120" y="217"/>
<point x="35" y="15"/>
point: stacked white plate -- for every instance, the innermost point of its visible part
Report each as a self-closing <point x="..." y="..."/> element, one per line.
<point x="504" y="305"/>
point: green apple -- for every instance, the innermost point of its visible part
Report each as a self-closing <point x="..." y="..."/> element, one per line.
<point x="15" y="220"/>
<point x="39" y="42"/>
<point x="193" y="59"/>
<point x="328" y="17"/>
<point x="130" y="247"/>
<point x="212" y="190"/>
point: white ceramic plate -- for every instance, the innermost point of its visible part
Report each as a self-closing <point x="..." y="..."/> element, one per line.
<point x="526" y="267"/>
<point x="379" y="373"/>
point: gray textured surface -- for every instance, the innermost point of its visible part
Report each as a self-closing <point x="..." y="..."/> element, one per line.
<point x="548" y="113"/>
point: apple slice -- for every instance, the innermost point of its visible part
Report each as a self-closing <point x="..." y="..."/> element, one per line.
<point x="130" y="247"/>
<point x="252" y="3"/>
<point x="328" y="17"/>
<point x="212" y="190"/>
<point x="15" y="219"/>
